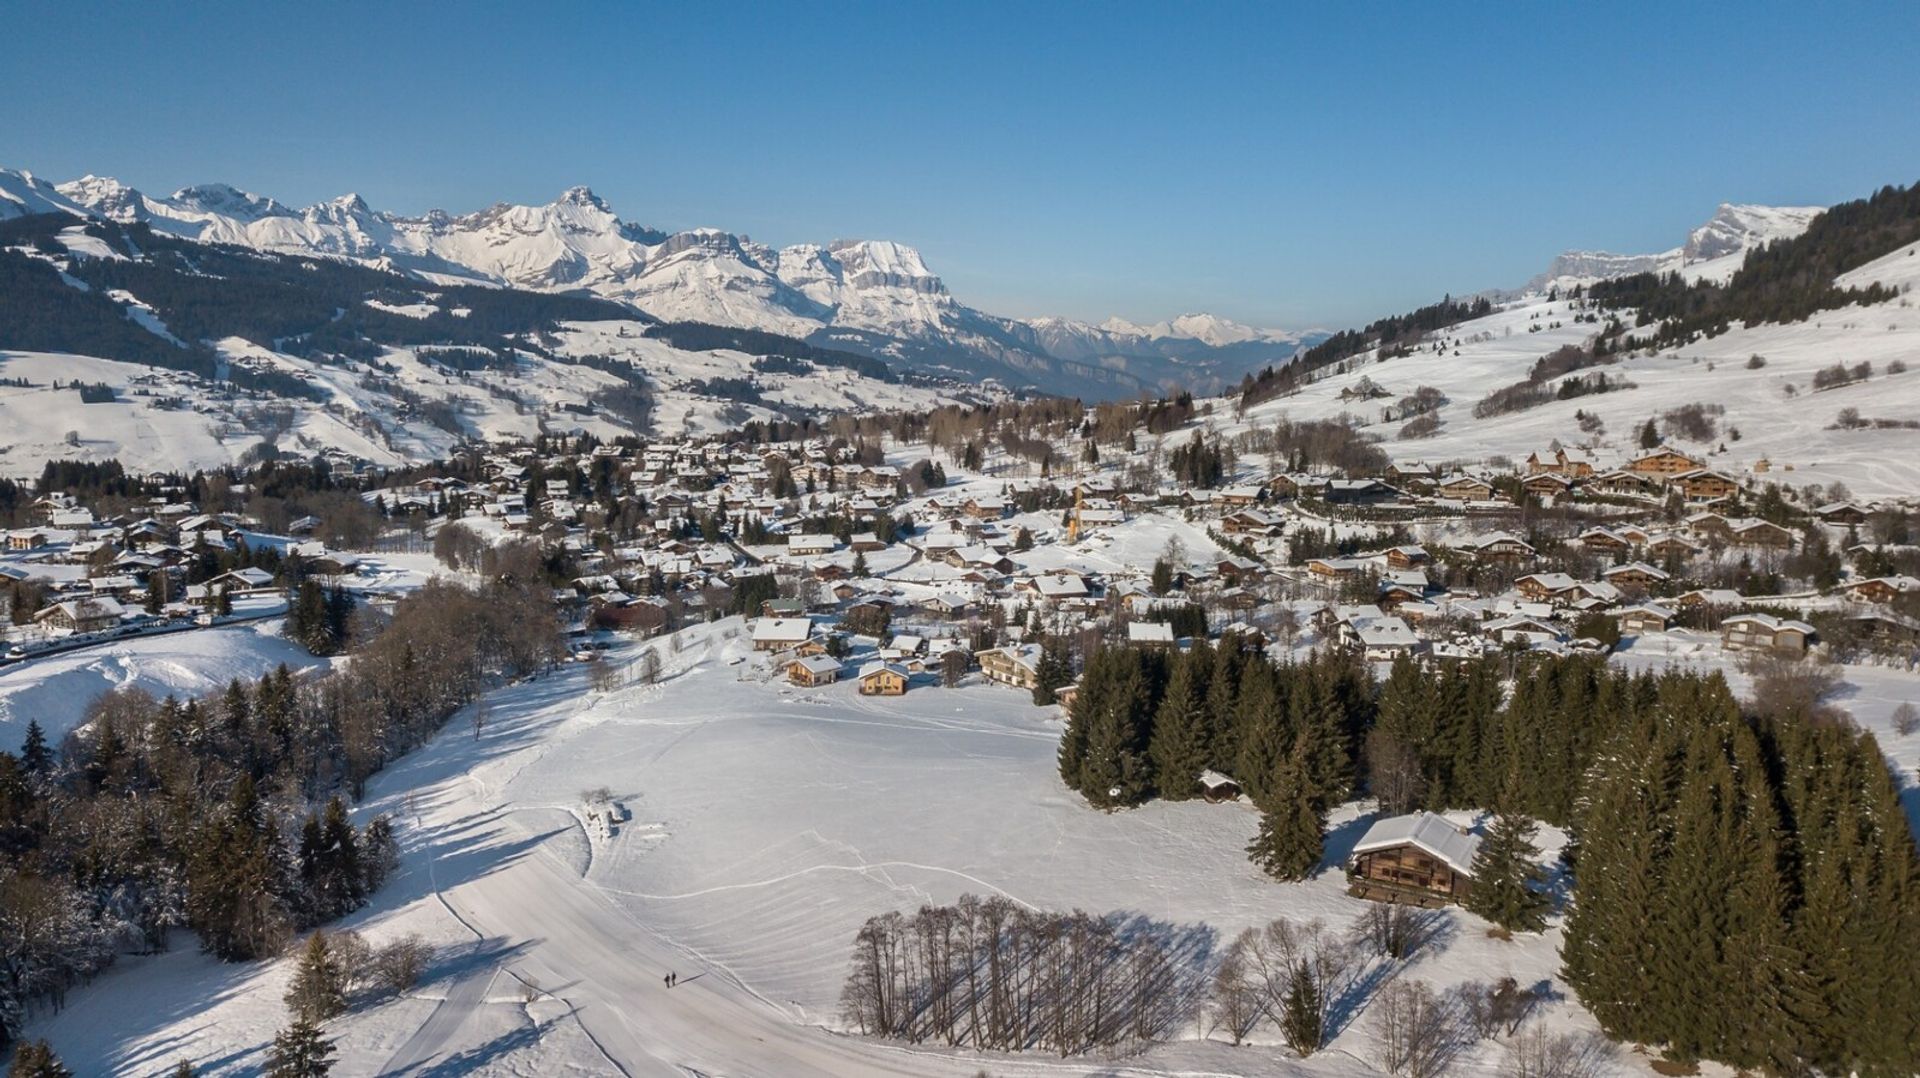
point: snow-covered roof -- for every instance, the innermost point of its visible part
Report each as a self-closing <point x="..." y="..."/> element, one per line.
<point x="1149" y="632"/>
<point x="782" y="629"/>
<point x="816" y="664"/>
<point x="1213" y="780"/>
<point x="1433" y="833"/>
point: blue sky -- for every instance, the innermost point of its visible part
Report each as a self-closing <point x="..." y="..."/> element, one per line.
<point x="1286" y="167"/>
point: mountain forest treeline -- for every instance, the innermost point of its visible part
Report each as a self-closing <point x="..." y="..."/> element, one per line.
<point x="1788" y="280"/>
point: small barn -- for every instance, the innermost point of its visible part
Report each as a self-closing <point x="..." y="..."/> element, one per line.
<point x="1419" y="859"/>
<point x="1216" y="787"/>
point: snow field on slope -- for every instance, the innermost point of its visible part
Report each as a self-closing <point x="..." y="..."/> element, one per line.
<point x="1791" y="432"/>
<point x="57" y="689"/>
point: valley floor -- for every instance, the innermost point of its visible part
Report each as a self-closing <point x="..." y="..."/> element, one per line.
<point x="763" y="825"/>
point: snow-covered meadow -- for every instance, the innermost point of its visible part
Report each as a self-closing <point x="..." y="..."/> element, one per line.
<point x="763" y="824"/>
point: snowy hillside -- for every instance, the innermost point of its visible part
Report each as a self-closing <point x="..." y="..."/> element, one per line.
<point x="404" y="372"/>
<point x="873" y="296"/>
<point x="1778" y="416"/>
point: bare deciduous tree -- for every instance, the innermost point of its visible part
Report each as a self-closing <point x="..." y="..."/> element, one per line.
<point x="1416" y="1031"/>
<point x="1539" y="1053"/>
<point x="1237" y="1003"/>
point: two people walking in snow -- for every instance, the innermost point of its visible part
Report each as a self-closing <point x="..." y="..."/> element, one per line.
<point x="671" y="979"/>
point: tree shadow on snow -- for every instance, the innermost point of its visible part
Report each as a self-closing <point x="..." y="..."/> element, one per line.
<point x="473" y="1060"/>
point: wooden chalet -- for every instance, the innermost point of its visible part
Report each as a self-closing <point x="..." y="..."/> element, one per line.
<point x="1764" y="632"/>
<point x="1663" y="461"/>
<point x="1845" y="514"/>
<point x="811" y="670"/>
<point x="1882" y="589"/>
<point x="1703" y="485"/>
<point x="1419" y="859"/>
<point x="1017" y="665"/>
<point x="882" y="679"/>
<point x="1216" y="787"/>
<point x="1465" y="488"/>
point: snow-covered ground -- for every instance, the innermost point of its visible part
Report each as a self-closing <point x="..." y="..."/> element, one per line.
<point x="1795" y="433"/>
<point x="764" y="823"/>
<point x="57" y="689"/>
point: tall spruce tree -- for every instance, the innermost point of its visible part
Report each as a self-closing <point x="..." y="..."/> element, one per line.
<point x="1303" y="1011"/>
<point x="299" y="1051"/>
<point x="35" y="757"/>
<point x="1508" y="885"/>
<point x="318" y="989"/>
<point x="1264" y="736"/>
<point x="1178" y="747"/>
<point x="1292" y="830"/>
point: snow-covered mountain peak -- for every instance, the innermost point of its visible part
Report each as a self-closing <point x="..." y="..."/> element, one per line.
<point x="583" y="196"/>
<point x="1712" y="251"/>
<point x="1736" y="229"/>
<point x="871" y="295"/>
<point x="106" y="196"/>
<point x="22" y="193"/>
<point x="884" y="264"/>
<point x="225" y="201"/>
<point x="1209" y="329"/>
<point x="349" y="203"/>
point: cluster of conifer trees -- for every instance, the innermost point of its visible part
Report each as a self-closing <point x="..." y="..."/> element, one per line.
<point x="220" y="814"/>
<point x="1148" y="723"/>
<point x="1745" y="881"/>
<point x="318" y="617"/>
<point x="1747" y="888"/>
<point x="1788" y="280"/>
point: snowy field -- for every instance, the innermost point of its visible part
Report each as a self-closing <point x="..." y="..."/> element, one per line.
<point x="57" y="689"/>
<point x="764" y="823"/>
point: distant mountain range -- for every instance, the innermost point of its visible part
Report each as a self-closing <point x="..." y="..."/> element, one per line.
<point x="1712" y="251"/>
<point x="873" y="297"/>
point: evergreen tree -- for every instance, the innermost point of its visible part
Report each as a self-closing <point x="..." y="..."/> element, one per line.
<point x="35" y="1059"/>
<point x="1320" y="717"/>
<point x="318" y="990"/>
<point x="236" y="882"/>
<point x="1178" y="747"/>
<point x="1263" y="735"/>
<point x="1303" y="1011"/>
<point x="1161" y="580"/>
<point x="1054" y="670"/>
<point x="299" y="1051"/>
<point x="1112" y="710"/>
<point x="1222" y="730"/>
<point x="1292" y="822"/>
<point x="182" y="1069"/>
<point x="1507" y="881"/>
<point x="35" y="757"/>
